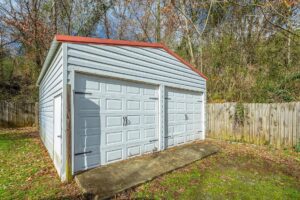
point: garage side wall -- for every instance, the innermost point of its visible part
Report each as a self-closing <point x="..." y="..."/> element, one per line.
<point x="51" y="86"/>
<point x="151" y="65"/>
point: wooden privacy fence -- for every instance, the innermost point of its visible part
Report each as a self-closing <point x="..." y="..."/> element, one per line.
<point x="18" y="114"/>
<point x="277" y="124"/>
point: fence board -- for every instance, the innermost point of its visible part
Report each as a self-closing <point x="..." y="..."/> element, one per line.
<point x="277" y="124"/>
<point x="17" y="114"/>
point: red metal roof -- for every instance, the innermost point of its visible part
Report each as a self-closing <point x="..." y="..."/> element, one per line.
<point x="89" y="40"/>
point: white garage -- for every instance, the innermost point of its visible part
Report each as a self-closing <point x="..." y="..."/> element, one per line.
<point x="103" y="101"/>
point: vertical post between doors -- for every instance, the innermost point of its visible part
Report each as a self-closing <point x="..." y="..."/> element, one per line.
<point x="162" y="121"/>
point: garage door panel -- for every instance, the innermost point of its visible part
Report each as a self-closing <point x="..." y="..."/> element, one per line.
<point x="189" y="96"/>
<point x="198" y="126"/>
<point x="170" y="130"/>
<point x="105" y="113"/>
<point x="179" y="139"/>
<point x="89" y="122"/>
<point x="179" y="129"/>
<point x="134" y="120"/>
<point x="114" y="155"/>
<point x="150" y="133"/>
<point x="133" y="135"/>
<point x="113" y="88"/>
<point x="90" y="140"/>
<point x="88" y="131"/>
<point x="113" y="138"/>
<point x="189" y="107"/>
<point x="85" y="82"/>
<point x="189" y="127"/>
<point x="82" y="161"/>
<point x="183" y="113"/>
<point x="150" y="105"/>
<point x="189" y="117"/>
<point x="171" y="105"/>
<point x="197" y="107"/>
<point x="114" y="104"/>
<point x="113" y="121"/>
<point x="197" y="117"/>
<point x="133" y="90"/>
<point x="150" y="119"/>
<point x="171" y="117"/>
<point x="134" y="151"/>
<point x="180" y="106"/>
<point x="92" y="160"/>
<point x="170" y="142"/>
<point x="133" y="105"/>
<point x="149" y="91"/>
<point x="190" y="138"/>
<point x="180" y="117"/>
<point x="89" y="104"/>
<point x="150" y="147"/>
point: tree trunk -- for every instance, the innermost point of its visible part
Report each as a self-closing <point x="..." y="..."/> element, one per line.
<point x="182" y="7"/>
<point x="158" y="38"/>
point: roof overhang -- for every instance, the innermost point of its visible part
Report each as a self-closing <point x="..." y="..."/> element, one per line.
<point x="58" y="39"/>
<point x="51" y="53"/>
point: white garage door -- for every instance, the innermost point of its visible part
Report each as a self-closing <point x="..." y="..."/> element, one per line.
<point x="114" y="120"/>
<point x="183" y="116"/>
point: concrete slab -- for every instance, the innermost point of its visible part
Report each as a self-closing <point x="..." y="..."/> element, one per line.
<point x="106" y="181"/>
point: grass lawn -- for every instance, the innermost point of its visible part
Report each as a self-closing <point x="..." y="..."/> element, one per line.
<point x="239" y="171"/>
<point x="26" y="170"/>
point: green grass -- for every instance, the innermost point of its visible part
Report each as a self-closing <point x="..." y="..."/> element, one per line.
<point x="231" y="174"/>
<point x="26" y="170"/>
<point x="237" y="172"/>
<point x="222" y="184"/>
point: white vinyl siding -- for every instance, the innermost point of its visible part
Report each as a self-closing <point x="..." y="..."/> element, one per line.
<point x="153" y="65"/>
<point x="51" y="85"/>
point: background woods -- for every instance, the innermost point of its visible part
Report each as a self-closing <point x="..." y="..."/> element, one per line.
<point x="248" y="49"/>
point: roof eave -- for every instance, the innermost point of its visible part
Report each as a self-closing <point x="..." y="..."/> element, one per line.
<point x="51" y="53"/>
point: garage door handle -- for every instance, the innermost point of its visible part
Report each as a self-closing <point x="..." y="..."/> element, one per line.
<point x="186" y="116"/>
<point x="153" y="140"/>
<point x="168" y="136"/>
<point x="86" y="152"/>
<point x="126" y="120"/>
